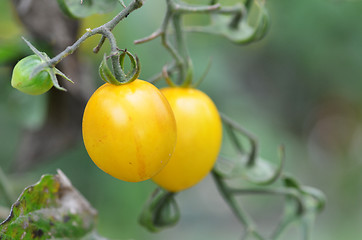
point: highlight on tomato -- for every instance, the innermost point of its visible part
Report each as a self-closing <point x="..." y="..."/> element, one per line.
<point x="21" y="80"/>
<point x="129" y="130"/>
<point x="199" y="134"/>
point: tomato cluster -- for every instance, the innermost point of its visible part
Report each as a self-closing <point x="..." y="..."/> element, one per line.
<point x="135" y="132"/>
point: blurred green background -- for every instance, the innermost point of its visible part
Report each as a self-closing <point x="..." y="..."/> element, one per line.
<point x="300" y="86"/>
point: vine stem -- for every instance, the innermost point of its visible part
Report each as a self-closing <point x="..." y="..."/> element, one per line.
<point x="106" y="31"/>
<point x="181" y="46"/>
<point x="242" y="216"/>
<point x="253" y="142"/>
<point x="276" y="191"/>
<point x="164" y="35"/>
<point x="179" y="52"/>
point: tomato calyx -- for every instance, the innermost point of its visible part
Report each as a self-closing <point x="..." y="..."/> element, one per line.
<point x="119" y="77"/>
<point x="46" y="66"/>
<point x="160" y="211"/>
<point x="188" y="82"/>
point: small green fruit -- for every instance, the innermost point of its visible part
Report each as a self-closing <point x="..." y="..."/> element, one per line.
<point x="37" y="85"/>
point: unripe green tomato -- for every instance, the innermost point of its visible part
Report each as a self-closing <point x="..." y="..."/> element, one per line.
<point x="129" y="130"/>
<point x="198" y="143"/>
<point x="20" y="80"/>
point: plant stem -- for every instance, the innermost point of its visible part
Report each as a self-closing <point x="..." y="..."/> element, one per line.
<point x="181" y="46"/>
<point x="282" y="226"/>
<point x="270" y="191"/>
<point x="179" y="53"/>
<point x="251" y="138"/>
<point x="105" y="30"/>
<point x="235" y="207"/>
<point x="185" y="9"/>
<point x="135" y="4"/>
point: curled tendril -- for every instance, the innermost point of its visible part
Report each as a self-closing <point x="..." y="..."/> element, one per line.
<point x="107" y="75"/>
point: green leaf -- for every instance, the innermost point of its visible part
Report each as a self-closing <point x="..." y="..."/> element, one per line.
<point x="52" y="208"/>
<point x="261" y="173"/>
<point x="248" y="27"/>
<point x="74" y="8"/>
<point x="318" y="199"/>
<point x="291" y="182"/>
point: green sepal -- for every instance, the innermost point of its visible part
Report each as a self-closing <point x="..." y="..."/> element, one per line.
<point x="167" y="78"/>
<point x="43" y="56"/>
<point x="54" y="79"/>
<point x="203" y="76"/>
<point x="136" y="67"/>
<point x="44" y="66"/>
<point x="58" y="72"/>
<point x="189" y="74"/>
<point x="107" y="75"/>
<point x="160" y="211"/>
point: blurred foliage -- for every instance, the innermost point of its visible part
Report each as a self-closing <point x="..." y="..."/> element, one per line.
<point x="299" y="86"/>
<point x="76" y="9"/>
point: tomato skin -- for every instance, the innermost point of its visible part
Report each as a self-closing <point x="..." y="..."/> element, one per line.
<point x="199" y="133"/>
<point x="129" y="130"/>
<point x="20" y="80"/>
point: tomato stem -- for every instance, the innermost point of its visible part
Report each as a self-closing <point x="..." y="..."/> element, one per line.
<point x="179" y="51"/>
<point x="253" y="142"/>
<point x="106" y="31"/>
<point x="239" y="212"/>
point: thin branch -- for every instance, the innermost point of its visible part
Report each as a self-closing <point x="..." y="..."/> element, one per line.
<point x="250" y="136"/>
<point x="164" y="35"/>
<point x="270" y="191"/>
<point x="282" y="226"/>
<point x="100" y="44"/>
<point x="154" y="35"/>
<point x="158" y="76"/>
<point x="105" y="30"/>
<point x="235" y="207"/>
<point x="135" y="4"/>
<point x="185" y="9"/>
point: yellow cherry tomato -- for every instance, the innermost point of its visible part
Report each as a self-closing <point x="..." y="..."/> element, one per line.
<point x="199" y="133"/>
<point x="129" y="130"/>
